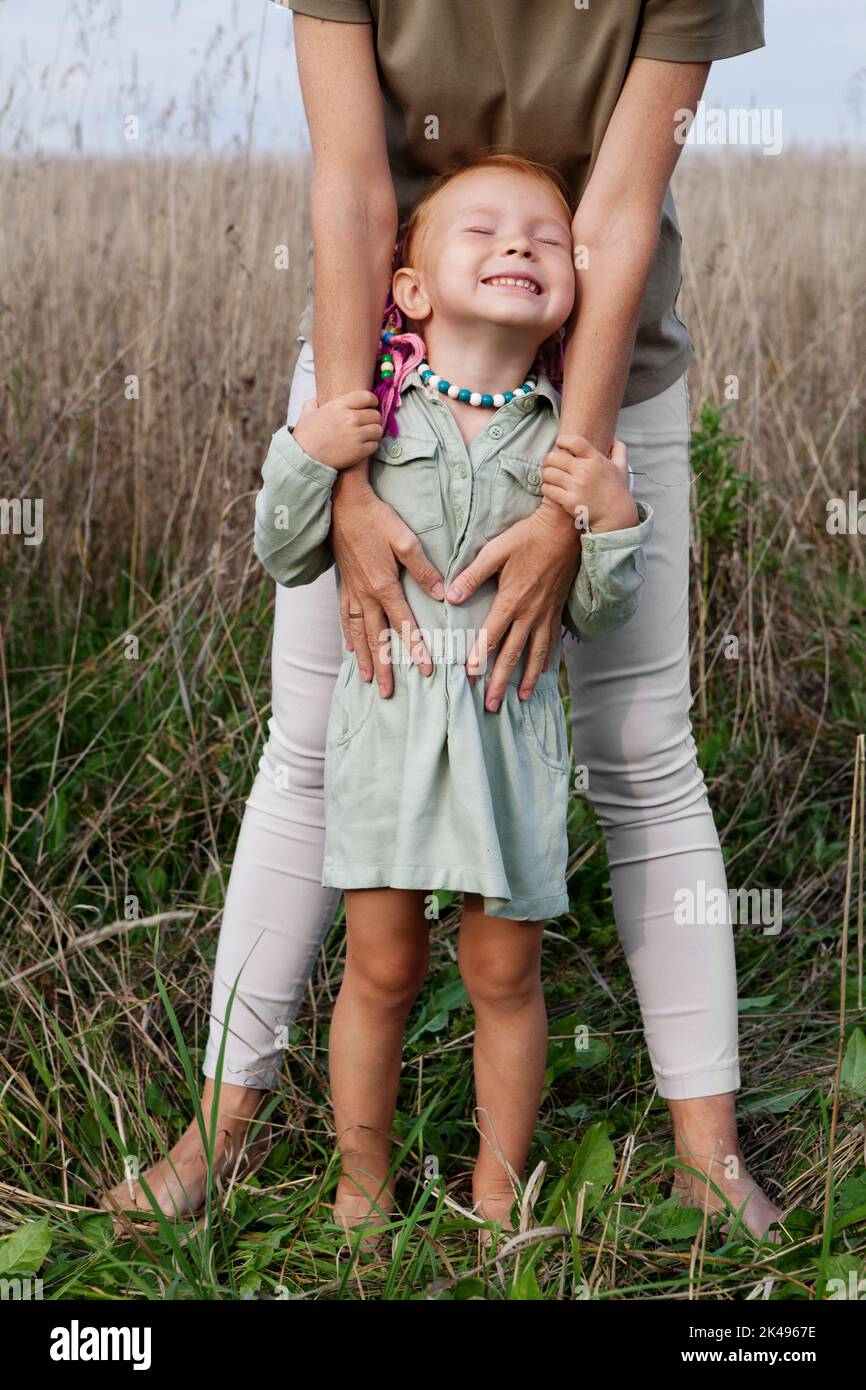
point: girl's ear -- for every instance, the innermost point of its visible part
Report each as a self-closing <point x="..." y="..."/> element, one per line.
<point x="408" y="294"/>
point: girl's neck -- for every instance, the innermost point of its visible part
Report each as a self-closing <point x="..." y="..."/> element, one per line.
<point x="484" y="362"/>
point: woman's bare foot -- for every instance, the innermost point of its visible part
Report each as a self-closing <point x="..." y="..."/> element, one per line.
<point x="758" y="1213"/>
<point x="178" y="1182"/>
<point x="705" y="1135"/>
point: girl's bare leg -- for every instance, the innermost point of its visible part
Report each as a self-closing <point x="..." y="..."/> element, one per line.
<point x="387" y="953"/>
<point x="500" y="963"/>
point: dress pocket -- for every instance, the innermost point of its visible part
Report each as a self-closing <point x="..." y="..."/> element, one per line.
<point x="353" y="703"/>
<point x="404" y="472"/>
<point x="516" y="491"/>
<point x="544" y="721"/>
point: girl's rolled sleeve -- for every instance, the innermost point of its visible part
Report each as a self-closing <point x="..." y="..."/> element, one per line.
<point x="606" y="590"/>
<point x="293" y="513"/>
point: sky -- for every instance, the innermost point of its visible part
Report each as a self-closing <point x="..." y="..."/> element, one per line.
<point x="72" y="73"/>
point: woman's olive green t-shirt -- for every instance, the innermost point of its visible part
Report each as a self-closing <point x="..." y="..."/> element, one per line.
<point x="540" y="78"/>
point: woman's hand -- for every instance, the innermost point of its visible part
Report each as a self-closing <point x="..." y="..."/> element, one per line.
<point x="341" y="432"/>
<point x="536" y="560"/>
<point x="591" y="489"/>
<point x="370" y="543"/>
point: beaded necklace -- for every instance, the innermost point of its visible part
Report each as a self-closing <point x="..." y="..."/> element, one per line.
<point x="484" y="399"/>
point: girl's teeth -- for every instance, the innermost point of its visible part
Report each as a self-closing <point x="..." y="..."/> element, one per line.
<point x="505" y="280"/>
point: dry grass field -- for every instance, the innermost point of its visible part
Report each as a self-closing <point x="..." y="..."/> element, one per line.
<point x="147" y="340"/>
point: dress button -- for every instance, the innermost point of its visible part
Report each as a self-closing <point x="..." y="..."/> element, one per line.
<point x="533" y="477"/>
<point x="495" y="431"/>
<point x="395" y="450"/>
<point x="528" y="402"/>
<point x="461" y="470"/>
<point x="458" y="517"/>
<point x="588" y="544"/>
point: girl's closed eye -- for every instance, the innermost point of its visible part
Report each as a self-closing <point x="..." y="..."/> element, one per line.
<point x="545" y="241"/>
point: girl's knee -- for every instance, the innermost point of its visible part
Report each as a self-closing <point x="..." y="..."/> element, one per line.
<point x="497" y="979"/>
<point x="390" y="980"/>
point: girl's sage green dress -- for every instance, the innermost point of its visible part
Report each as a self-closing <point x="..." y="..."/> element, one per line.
<point x="427" y="789"/>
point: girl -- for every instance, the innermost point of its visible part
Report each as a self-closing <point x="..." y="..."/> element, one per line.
<point x="462" y="799"/>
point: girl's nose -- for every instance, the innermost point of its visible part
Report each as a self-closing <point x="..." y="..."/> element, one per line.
<point x="518" y="246"/>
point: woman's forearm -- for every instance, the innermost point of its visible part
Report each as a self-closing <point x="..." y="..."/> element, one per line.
<point x="617" y="222"/>
<point x="353" y="235"/>
<point x="353" y="205"/>
<point x="610" y="292"/>
<point x="354" y="231"/>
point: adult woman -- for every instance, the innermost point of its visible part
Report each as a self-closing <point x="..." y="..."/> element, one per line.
<point x="597" y="92"/>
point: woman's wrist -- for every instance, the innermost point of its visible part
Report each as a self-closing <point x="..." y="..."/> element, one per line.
<point x="559" y="520"/>
<point x="352" y="482"/>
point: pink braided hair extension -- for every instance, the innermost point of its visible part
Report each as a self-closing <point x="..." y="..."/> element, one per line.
<point x="408" y="350"/>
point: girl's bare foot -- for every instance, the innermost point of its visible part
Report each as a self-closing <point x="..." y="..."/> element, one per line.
<point x="178" y="1182"/>
<point x="365" y="1198"/>
<point x="493" y="1206"/>
<point x="356" y="1213"/>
